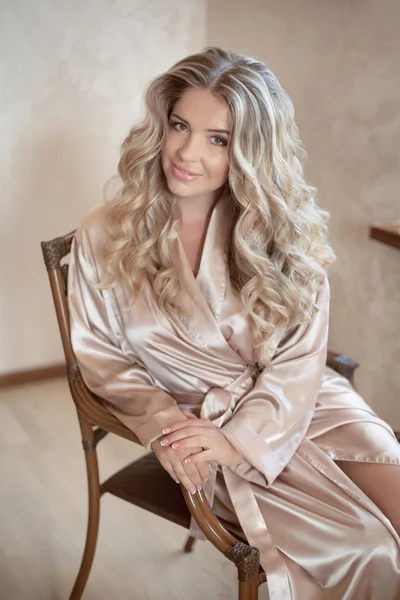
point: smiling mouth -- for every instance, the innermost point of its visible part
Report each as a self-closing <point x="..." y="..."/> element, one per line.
<point x="186" y="171"/>
<point x="184" y="175"/>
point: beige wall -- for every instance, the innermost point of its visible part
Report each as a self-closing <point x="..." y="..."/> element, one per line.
<point x="339" y="60"/>
<point x="72" y="76"/>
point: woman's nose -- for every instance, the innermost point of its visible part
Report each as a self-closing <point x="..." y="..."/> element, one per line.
<point x="190" y="150"/>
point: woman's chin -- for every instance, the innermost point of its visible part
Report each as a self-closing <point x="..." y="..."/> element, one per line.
<point x="180" y="189"/>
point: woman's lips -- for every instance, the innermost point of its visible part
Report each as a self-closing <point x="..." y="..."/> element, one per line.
<point x="182" y="175"/>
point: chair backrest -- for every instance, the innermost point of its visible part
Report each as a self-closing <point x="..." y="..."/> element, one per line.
<point x="53" y="253"/>
<point x="87" y="403"/>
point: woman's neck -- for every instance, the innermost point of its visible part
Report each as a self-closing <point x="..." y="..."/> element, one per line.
<point x="197" y="209"/>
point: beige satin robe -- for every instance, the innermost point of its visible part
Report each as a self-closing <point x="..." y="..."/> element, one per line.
<point x="319" y="536"/>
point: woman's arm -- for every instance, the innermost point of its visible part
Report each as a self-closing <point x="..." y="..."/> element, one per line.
<point x="270" y="422"/>
<point x="127" y="387"/>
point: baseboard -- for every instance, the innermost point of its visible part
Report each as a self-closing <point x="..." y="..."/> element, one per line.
<point x="32" y="375"/>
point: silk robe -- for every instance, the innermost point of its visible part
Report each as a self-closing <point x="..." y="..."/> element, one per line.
<point x="320" y="537"/>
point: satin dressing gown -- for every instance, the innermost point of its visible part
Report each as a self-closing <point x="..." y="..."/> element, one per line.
<point x="320" y="537"/>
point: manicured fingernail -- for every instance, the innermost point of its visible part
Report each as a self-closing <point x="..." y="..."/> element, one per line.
<point x="192" y="490"/>
<point x="198" y="488"/>
<point x="188" y="460"/>
<point x="166" y="430"/>
<point x="205" y="480"/>
<point x="175" y="445"/>
<point x="164" y="442"/>
<point x="177" y="481"/>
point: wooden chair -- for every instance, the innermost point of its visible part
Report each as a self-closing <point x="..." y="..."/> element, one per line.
<point x="144" y="482"/>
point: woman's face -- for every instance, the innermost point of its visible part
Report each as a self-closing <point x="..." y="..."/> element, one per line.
<point x="194" y="155"/>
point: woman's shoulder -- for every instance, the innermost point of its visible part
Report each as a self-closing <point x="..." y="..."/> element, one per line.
<point x="92" y="231"/>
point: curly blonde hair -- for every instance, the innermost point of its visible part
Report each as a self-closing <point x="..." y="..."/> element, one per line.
<point x="279" y="250"/>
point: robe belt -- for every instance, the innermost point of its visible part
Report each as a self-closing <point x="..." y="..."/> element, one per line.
<point x="218" y="406"/>
<point x="257" y="534"/>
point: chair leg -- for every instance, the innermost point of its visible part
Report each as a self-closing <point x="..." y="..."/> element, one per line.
<point x="189" y="544"/>
<point x="247" y="561"/>
<point x="92" y="469"/>
<point x="248" y="590"/>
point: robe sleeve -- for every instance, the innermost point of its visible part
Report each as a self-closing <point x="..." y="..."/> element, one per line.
<point x="270" y="422"/>
<point x="125" y="386"/>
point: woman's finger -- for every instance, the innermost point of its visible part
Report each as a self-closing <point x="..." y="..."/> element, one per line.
<point x="187" y="433"/>
<point x="192" y="442"/>
<point x="203" y="468"/>
<point x="181" y="433"/>
<point x="194" y="474"/>
<point x="169" y="459"/>
<point x="184" y="478"/>
<point x="205" y="456"/>
<point x="190" y="475"/>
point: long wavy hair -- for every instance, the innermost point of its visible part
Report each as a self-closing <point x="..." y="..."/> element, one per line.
<point x="279" y="250"/>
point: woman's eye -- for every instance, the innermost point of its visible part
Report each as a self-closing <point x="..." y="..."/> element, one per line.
<point x="178" y="126"/>
<point x="219" y="141"/>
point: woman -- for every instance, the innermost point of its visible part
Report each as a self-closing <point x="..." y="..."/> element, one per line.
<point x="199" y="312"/>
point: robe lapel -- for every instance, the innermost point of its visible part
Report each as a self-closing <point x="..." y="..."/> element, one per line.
<point x="213" y="272"/>
<point x="202" y="297"/>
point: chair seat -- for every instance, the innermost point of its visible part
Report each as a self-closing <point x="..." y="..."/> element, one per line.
<point x="147" y="484"/>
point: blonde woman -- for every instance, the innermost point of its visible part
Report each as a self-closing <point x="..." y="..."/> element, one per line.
<point x="199" y="313"/>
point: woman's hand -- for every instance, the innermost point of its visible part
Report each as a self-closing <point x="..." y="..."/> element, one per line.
<point x="186" y="435"/>
<point x="192" y="476"/>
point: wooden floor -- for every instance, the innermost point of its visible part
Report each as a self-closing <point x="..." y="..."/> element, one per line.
<point x="43" y="516"/>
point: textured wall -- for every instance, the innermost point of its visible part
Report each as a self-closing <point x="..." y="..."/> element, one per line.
<point x="340" y="63"/>
<point x="71" y="78"/>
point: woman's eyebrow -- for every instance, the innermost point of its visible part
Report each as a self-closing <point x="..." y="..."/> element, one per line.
<point x="226" y="131"/>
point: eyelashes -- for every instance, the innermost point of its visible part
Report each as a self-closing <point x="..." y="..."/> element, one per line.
<point x="176" y="125"/>
<point x="222" y="140"/>
<point x="181" y="127"/>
